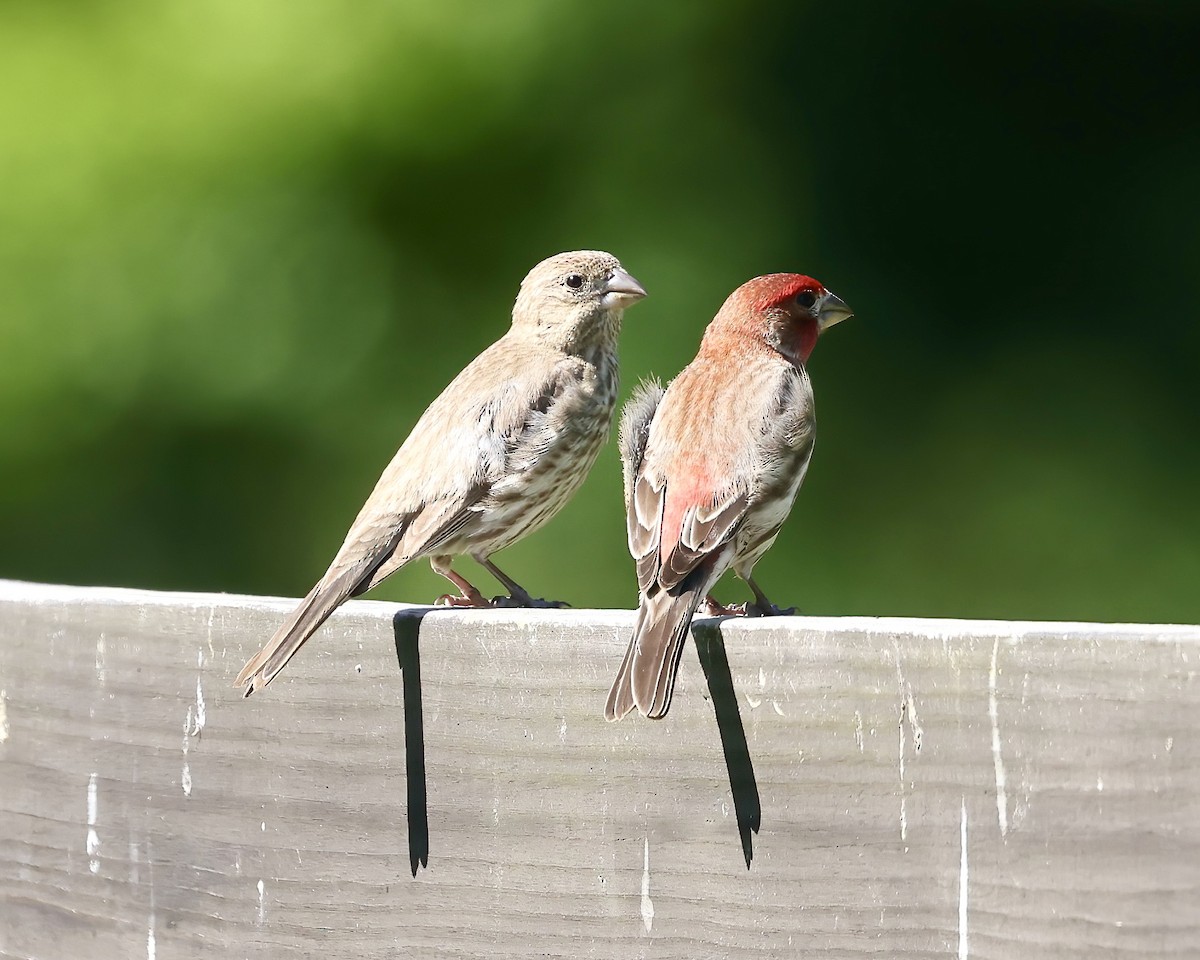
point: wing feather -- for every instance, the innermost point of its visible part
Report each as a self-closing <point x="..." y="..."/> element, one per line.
<point x="644" y="499"/>
<point x="705" y="529"/>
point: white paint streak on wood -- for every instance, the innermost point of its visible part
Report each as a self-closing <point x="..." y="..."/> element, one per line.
<point x="647" y="903"/>
<point x="212" y="612"/>
<point x="93" y="838"/>
<point x="262" y="902"/>
<point x="185" y="775"/>
<point x="962" y="881"/>
<point x="151" y="921"/>
<point x="909" y="725"/>
<point x="4" y="716"/>
<point x="201" y="713"/>
<point x="914" y="721"/>
<point x="903" y="790"/>
<point x="997" y="757"/>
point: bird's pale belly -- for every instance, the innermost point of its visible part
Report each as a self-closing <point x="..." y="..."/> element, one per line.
<point x="543" y="490"/>
<point x="529" y="499"/>
<point x="763" y="522"/>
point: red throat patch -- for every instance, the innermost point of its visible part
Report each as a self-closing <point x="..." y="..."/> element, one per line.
<point x="808" y="338"/>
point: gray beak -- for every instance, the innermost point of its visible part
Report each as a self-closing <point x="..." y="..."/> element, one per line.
<point x="620" y="289"/>
<point x="832" y="310"/>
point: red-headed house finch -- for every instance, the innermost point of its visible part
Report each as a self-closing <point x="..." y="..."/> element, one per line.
<point x="499" y="453"/>
<point x="712" y="466"/>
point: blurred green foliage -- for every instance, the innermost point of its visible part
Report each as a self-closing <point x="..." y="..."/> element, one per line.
<point x="242" y="245"/>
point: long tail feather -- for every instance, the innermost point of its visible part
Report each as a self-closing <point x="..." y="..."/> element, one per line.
<point x="292" y="634"/>
<point x="620" y="697"/>
<point x="647" y="675"/>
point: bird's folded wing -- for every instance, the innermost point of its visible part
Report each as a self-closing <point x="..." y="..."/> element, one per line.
<point x="634" y="432"/>
<point x="437" y="497"/>
<point x="438" y="521"/>
<point x="644" y="518"/>
<point x="704" y="528"/>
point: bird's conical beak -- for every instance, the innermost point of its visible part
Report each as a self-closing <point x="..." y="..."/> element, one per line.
<point x="620" y="289"/>
<point x="833" y="310"/>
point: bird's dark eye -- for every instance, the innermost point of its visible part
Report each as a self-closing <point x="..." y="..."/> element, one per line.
<point x="574" y="281"/>
<point x="806" y="299"/>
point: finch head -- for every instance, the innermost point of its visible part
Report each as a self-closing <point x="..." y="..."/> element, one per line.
<point x="575" y="295"/>
<point x="787" y="310"/>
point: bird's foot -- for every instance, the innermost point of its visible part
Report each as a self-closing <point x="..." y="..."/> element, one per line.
<point x="474" y="600"/>
<point x="517" y="601"/>
<point x="714" y="609"/>
<point x="768" y="610"/>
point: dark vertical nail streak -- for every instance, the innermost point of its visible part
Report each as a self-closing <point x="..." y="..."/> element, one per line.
<point x="743" y="785"/>
<point x="407" y="630"/>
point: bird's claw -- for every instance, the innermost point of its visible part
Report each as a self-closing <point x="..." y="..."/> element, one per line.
<point x="481" y="603"/>
<point x="452" y="600"/>
<point x="755" y="610"/>
<point x="527" y="602"/>
<point x="714" y="609"/>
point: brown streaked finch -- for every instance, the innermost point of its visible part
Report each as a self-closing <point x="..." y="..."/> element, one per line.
<point x="493" y="458"/>
<point x="712" y="466"/>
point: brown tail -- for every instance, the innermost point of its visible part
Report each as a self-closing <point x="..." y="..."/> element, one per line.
<point x="292" y="634"/>
<point x="647" y="675"/>
<point x="620" y="697"/>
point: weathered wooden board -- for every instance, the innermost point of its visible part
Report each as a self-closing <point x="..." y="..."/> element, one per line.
<point x="901" y="788"/>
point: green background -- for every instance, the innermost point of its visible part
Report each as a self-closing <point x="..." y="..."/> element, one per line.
<point x="243" y="244"/>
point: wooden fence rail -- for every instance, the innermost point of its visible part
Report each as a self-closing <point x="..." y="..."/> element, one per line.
<point x="442" y="784"/>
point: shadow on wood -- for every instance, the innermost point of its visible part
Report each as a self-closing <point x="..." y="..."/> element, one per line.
<point x="746" y="803"/>
<point x="408" y="655"/>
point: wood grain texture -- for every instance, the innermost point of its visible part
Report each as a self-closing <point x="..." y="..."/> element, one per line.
<point x="475" y="803"/>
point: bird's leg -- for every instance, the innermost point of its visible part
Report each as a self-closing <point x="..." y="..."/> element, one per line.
<point x="471" y="597"/>
<point x="762" y="607"/>
<point x="518" y="596"/>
